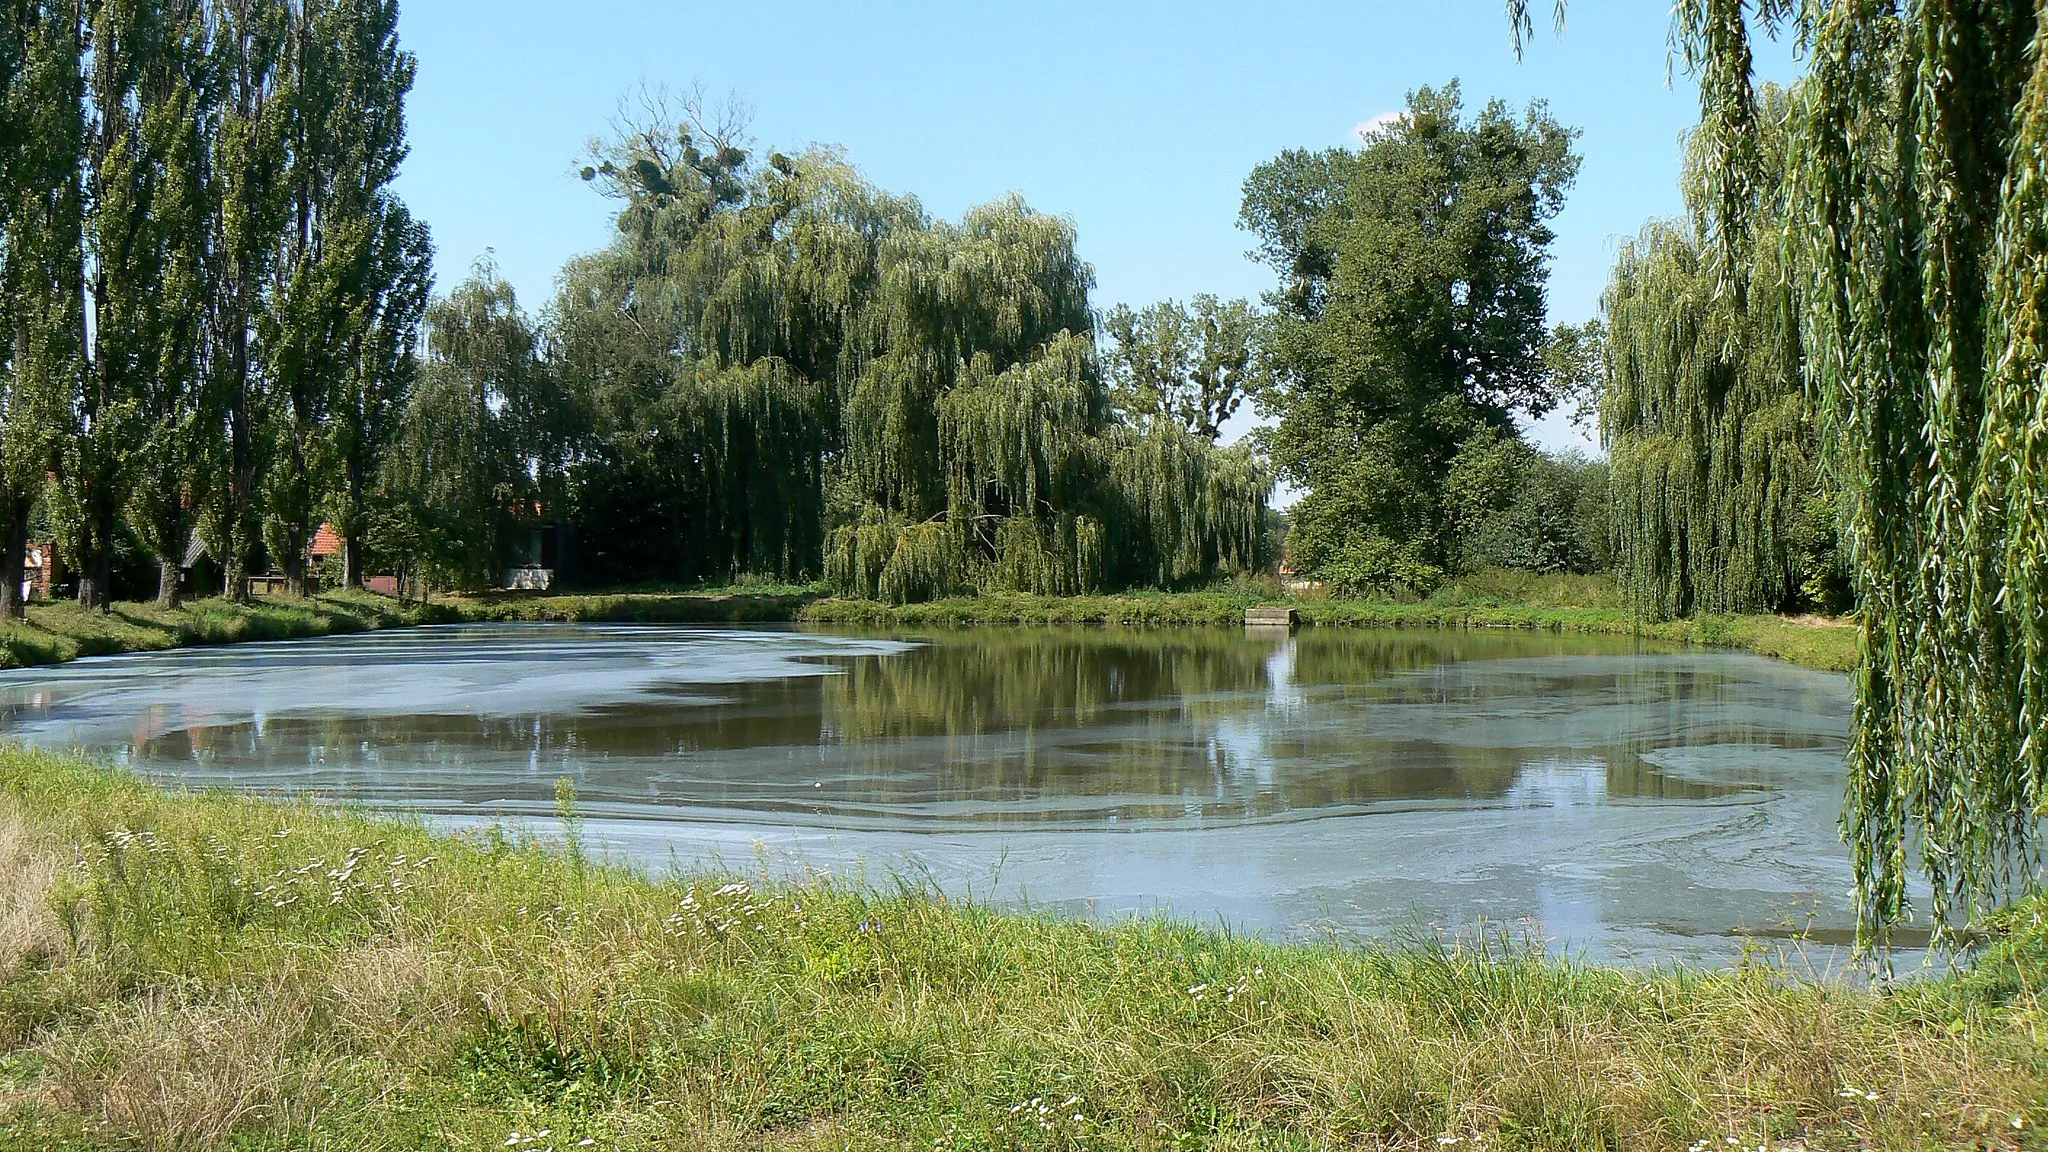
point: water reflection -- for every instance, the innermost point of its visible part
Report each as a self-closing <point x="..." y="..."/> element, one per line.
<point x="1580" y="781"/>
<point x="996" y="728"/>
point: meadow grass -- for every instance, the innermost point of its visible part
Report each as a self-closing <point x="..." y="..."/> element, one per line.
<point x="207" y="972"/>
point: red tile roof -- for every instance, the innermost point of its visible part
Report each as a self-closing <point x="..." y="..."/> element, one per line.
<point x="326" y="542"/>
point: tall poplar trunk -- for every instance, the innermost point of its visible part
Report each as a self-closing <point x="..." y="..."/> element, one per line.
<point x="294" y="563"/>
<point x="13" y="557"/>
<point x="351" y="544"/>
<point x="96" y="580"/>
<point x="242" y="468"/>
<point x="297" y="529"/>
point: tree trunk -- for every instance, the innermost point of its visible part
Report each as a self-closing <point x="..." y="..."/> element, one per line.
<point x="96" y="567"/>
<point x="13" y="554"/>
<point x="351" y="563"/>
<point x="93" y="581"/>
<point x="294" y="561"/>
<point x="242" y="475"/>
<point x="167" y="574"/>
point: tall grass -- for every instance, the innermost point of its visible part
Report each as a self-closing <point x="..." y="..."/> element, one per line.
<point x="223" y="973"/>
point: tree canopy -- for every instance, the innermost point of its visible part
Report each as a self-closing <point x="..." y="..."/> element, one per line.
<point x="1719" y="503"/>
<point x="1190" y="366"/>
<point x="1410" y="324"/>
<point x="211" y="295"/>
<point x="786" y="370"/>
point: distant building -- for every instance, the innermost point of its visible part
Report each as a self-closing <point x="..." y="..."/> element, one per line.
<point x="38" y="570"/>
<point x="326" y="542"/>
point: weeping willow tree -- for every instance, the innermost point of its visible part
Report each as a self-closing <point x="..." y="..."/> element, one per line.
<point x="1918" y="218"/>
<point x="790" y="371"/>
<point x="1714" y="488"/>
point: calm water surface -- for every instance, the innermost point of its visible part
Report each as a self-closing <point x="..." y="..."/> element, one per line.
<point x="1628" y="803"/>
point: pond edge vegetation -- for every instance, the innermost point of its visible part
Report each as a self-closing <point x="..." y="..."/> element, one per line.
<point x="57" y="633"/>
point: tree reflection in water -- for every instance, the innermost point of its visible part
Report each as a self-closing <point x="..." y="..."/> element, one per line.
<point x="1081" y="728"/>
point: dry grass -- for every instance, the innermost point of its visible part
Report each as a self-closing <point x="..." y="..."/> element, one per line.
<point x="29" y="930"/>
<point x="168" y="1077"/>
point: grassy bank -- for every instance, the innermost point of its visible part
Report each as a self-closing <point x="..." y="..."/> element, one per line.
<point x="200" y="973"/>
<point x="1564" y="604"/>
<point x="1587" y="605"/>
<point x="57" y="632"/>
<point x="54" y="633"/>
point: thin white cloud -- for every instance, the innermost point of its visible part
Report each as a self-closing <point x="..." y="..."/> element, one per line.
<point x="1365" y="130"/>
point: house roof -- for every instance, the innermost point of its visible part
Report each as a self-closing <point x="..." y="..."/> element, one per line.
<point x="326" y="542"/>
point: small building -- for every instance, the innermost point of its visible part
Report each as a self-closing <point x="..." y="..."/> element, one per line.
<point x="326" y="543"/>
<point x="38" y="570"/>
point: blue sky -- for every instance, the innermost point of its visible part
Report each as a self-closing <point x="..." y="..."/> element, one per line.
<point x="1137" y="120"/>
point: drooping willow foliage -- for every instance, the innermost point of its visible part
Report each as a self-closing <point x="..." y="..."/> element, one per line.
<point x="1715" y="491"/>
<point x="1918" y="220"/>
<point x="788" y="371"/>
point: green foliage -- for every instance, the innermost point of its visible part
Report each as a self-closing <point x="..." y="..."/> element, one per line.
<point x="1409" y="325"/>
<point x="457" y="485"/>
<point x="1554" y="518"/>
<point x="351" y="274"/>
<point x="1914" y="209"/>
<point x="224" y="295"/>
<point x="1715" y="455"/>
<point x="39" y="201"/>
<point x="1922" y="195"/>
<point x="1191" y="366"/>
<point x="788" y="371"/>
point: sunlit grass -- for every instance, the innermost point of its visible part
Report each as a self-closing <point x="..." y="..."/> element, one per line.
<point x="55" y="632"/>
<point x="188" y="973"/>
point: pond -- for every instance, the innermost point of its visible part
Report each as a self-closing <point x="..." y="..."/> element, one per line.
<point x="1625" y="802"/>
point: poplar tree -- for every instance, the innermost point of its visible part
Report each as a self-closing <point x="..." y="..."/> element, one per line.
<point x="1192" y="365"/>
<point x="37" y="160"/>
<point x="346" y="131"/>
<point x="1409" y="325"/>
<point x="245" y="198"/>
<point x="377" y="373"/>
<point x="118" y="251"/>
<point x="172" y="415"/>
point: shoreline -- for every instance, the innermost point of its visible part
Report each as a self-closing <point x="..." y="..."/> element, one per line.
<point x="58" y="633"/>
<point x="216" y="971"/>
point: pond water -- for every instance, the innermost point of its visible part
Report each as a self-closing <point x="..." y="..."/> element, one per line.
<point x="1624" y="802"/>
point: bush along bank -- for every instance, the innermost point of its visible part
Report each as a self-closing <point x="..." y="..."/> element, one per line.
<point x="202" y="972"/>
<point x="1829" y="645"/>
